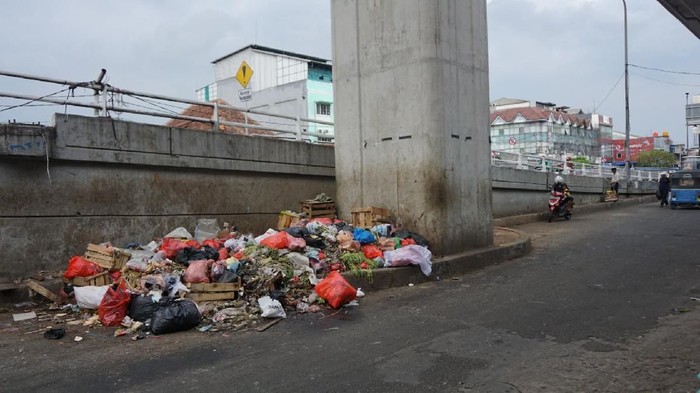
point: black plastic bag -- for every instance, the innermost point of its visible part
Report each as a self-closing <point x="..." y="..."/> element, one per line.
<point x="228" y="277"/>
<point x="401" y="234"/>
<point x="297" y="231"/>
<point x="142" y="307"/>
<point x="187" y="254"/>
<point x="314" y="241"/>
<point x="175" y="316"/>
<point x="420" y="240"/>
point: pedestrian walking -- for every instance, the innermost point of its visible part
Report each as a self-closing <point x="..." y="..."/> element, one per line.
<point x="664" y="188"/>
<point x="614" y="181"/>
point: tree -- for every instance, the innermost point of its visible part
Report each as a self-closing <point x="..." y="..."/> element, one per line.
<point x="581" y="160"/>
<point x="656" y="159"/>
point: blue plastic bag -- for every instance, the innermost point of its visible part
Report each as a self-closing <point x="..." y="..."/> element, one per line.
<point x="363" y="236"/>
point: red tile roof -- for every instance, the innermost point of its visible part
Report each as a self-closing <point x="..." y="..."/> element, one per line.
<point x="536" y="114"/>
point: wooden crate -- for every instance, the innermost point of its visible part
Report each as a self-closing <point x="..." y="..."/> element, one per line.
<point x="213" y="291"/>
<point x="98" y="280"/>
<point x="107" y="257"/>
<point x="287" y="219"/>
<point x="318" y="209"/>
<point x="367" y="217"/>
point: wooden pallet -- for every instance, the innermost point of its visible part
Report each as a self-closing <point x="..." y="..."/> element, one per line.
<point x="287" y="219"/>
<point x="203" y="292"/>
<point x="107" y="257"/>
<point x="318" y="209"/>
<point x="367" y="217"/>
<point x="98" y="280"/>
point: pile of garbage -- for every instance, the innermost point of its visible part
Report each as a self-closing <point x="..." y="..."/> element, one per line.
<point x="221" y="279"/>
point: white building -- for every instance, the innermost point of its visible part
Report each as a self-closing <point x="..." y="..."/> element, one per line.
<point x="281" y="82"/>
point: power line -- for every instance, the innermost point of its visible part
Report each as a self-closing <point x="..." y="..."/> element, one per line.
<point x="662" y="70"/>
<point x="36" y="99"/>
<point x="610" y="92"/>
<point x="666" y="82"/>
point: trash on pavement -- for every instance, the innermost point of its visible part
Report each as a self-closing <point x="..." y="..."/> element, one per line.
<point x="23" y="316"/>
<point x="55" y="333"/>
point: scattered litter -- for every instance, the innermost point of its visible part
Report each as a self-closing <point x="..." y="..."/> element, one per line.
<point x="224" y="279"/>
<point x="78" y="339"/>
<point x="410" y="284"/>
<point x="55" y="334"/>
<point x="24" y="316"/>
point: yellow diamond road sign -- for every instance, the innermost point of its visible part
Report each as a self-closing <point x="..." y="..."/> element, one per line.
<point x="244" y="74"/>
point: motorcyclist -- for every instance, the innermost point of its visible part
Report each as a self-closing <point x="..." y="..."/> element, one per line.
<point x="560" y="186"/>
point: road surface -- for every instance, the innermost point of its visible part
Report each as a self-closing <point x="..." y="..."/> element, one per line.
<point x="603" y="304"/>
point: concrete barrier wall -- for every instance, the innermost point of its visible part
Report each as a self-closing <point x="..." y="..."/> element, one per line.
<point x="121" y="181"/>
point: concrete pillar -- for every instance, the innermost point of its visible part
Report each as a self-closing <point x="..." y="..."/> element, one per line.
<point x="411" y="100"/>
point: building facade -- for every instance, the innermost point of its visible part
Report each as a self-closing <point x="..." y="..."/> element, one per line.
<point x="279" y="82"/>
<point x="540" y="128"/>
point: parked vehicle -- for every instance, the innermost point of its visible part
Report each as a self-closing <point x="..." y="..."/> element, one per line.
<point x="559" y="209"/>
<point x="685" y="184"/>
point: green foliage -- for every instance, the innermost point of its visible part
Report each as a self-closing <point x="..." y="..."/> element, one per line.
<point x="352" y="262"/>
<point x="581" y="160"/>
<point x="656" y="158"/>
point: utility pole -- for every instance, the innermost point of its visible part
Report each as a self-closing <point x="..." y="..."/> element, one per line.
<point x="687" y="142"/>
<point x="627" y="104"/>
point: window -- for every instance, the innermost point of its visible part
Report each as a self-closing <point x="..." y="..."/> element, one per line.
<point x="323" y="108"/>
<point x="521" y="130"/>
<point x="501" y="132"/>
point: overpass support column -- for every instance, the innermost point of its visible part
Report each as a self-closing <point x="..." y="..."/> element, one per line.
<point x="411" y="113"/>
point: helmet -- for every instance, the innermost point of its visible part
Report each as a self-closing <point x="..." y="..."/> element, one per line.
<point x="559" y="179"/>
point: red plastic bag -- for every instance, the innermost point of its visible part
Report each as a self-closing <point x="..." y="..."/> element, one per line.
<point x="198" y="271"/>
<point x="295" y="243"/>
<point x="171" y="246"/>
<point x="371" y="251"/>
<point x="223" y="253"/>
<point x="335" y="290"/>
<point x="114" y="304"/>
<point x="407" y="242"/>
<point x="277" y="241"/>
<point x="81" y="267"/>
<point x="215" y="244"/>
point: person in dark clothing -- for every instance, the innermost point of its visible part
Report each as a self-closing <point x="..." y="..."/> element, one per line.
<point x="664" y="188"/>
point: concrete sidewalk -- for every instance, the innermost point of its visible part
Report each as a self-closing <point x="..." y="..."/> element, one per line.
<point x="508" y="244"/>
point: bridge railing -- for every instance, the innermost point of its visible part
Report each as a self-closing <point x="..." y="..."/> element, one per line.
<point x="106" y="99"/>
<point x="544" y="164"/>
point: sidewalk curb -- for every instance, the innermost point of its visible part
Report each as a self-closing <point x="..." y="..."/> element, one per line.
<point x="578" y="209"/>
<point x="450" y="265"/>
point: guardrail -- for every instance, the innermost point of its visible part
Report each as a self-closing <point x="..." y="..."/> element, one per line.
<point x="107" y="98"/>
<point x="544" y="164"/>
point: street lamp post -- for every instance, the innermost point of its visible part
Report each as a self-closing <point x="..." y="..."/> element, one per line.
<point x="627" y="104"/>
<point x="687" y="143"/>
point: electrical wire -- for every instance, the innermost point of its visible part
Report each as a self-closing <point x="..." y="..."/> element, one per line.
<point x="662" y="81"/>
<point x="608" y="95"/>
<point x="662" y="70"/>
<point x="34" y="100"/>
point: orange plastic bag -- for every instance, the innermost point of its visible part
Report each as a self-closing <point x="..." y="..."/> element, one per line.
<point x="171" y="246"/>
<point x="114" y="304"/>
<point x="407" y="242"/>
<point x="371" y="251"/>
<point x="81" y="267"/>
<point x="277" y="241"/>
<point x="335" y="290"/>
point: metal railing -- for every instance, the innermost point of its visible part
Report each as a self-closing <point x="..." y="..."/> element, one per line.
<point x="544" y="164"/>
<point x="107" y="98"/>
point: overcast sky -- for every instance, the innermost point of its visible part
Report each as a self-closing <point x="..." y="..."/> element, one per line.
<point x="569" y="52"/>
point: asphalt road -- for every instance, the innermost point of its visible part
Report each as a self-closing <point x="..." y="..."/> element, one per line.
<point x="604" y="303"/>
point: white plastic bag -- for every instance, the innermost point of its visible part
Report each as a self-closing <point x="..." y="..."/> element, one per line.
<point x="271" y="308"/>
<point x="410" y="255"/>
<point x="207" y="228"/>
<point x="265" y="235"/>
<point x="90" y="297"/>
<point x="179" y="233"/>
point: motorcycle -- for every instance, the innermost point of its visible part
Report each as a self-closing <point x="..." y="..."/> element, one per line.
<point x="557" y="209"/>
